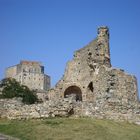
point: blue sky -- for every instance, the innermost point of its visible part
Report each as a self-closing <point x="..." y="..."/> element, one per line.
<point x="51" y="30"/>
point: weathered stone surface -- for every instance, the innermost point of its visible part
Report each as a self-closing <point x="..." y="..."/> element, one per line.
<point x="103" y="90"/>
<point x="15" y="109"/>
<point x="90" y="87"/>
<point x="31" y="74"/>
<point x="90" y="75"/>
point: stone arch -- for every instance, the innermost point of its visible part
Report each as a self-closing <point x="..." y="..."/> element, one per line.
<point x="74" y="90"/>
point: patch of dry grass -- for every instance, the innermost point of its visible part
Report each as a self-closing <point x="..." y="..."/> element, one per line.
<point x="70" y="129"/>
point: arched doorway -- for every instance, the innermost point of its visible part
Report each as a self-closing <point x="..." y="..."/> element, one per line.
<point x="73" y="90"/>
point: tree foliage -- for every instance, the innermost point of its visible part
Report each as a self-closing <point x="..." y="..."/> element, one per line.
<point x="12" y="88"/>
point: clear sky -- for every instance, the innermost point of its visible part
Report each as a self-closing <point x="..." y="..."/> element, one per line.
<point x="51" y="30"/>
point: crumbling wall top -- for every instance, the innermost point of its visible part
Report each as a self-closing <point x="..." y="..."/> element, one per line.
<point x="103" y="31"/>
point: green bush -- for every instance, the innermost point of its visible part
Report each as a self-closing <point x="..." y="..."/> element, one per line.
<point x="11" y="88"/>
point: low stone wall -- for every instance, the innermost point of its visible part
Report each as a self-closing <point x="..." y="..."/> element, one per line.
<point x="112" y="112"/>
<point x="15" y="109"/>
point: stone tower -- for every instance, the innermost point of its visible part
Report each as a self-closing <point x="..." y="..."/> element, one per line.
<point x="31" y="74"/>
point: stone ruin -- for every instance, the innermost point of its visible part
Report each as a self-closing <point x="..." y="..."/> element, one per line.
<point x="89" y="87"/>
<point x="91" y="77"/>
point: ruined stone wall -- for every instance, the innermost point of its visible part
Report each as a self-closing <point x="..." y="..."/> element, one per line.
<point x="101" y="91"/>
<point x="89" y="87"/>
<point x="15" y="109"/>
<point x="91" y="72"/>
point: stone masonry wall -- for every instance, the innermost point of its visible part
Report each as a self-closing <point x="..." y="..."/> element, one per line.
<point x="91" y="72"/>
<point x="89" y="87"/>
<point x="15" y="109"/>
<point x="102" y="90"/>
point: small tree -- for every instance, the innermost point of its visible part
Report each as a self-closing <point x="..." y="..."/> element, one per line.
<point x="11" y="88"/>
<point x="29" y="96"/>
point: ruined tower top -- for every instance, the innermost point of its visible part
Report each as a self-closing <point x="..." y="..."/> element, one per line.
<point x="103" y="31"/>
<point x="103" y="44"/>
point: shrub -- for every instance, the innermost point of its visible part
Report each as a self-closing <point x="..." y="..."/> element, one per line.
<point x="12" y="88"/>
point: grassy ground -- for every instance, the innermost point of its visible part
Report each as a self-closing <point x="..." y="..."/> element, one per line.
<point x="70" y="129"/>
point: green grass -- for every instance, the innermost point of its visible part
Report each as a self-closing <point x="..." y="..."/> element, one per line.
<point x="70" y="129"/>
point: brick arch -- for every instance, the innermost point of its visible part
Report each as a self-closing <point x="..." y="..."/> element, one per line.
<point x="74" y="90"/>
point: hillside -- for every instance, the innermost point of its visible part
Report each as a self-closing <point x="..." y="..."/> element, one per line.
<point x="70" y="129"/>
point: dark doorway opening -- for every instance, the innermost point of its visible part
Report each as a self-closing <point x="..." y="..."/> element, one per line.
<point x="73" y="91"/>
